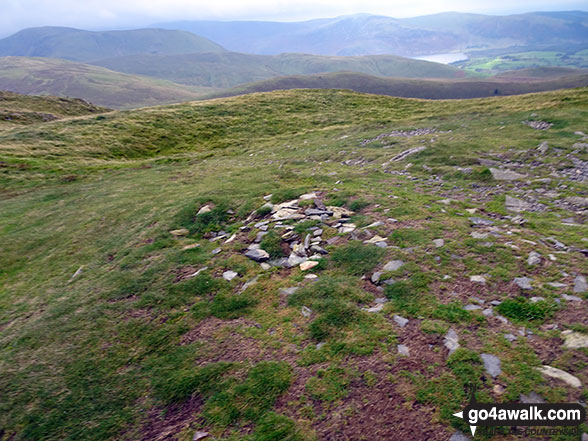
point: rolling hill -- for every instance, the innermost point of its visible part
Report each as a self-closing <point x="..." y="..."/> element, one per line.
<point x="229" y="69"/>
<point x="98" y="85"/>
<point x="414" y="88"/>
<point x="368" y="34"/>
<point x="17" y="109"/>
<point x="308" y="265"/>
<point x="81" y="45"/>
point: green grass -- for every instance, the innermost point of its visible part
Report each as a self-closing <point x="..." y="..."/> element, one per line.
<point x="357" y="258"/>
<point x="132" y="339"/>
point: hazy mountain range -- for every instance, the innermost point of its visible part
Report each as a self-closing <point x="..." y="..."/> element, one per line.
<point x="183" y="61"/>
<point x="370" y="34"/>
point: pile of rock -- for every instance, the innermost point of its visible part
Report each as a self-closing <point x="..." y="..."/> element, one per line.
<point x="306" y="248"/>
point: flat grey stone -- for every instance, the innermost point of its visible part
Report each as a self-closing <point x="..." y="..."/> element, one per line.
<point x="288" y="291"/>
<point x="510" y="337"/>
<point x="571" y="298"/>
<point x="516" y="205"/>
<point x="523" y="282"/>
<point x="295" y="260"/>
<point x="552" y="372"/>
<point x="534" y="258"/>
<point x="376" y="308"/>
<point x="480" y="222"/>
<point x="491" y="364"/>
<point x="229" y="275"/>
<point x="580" y="284"/>
<point x="459" y="436"/>
<point x="536" y="299"/>
<point x="451" y="341"/>
<point x="306" y="312"/>
<point x="376" y="277"/>
<point x="381" y="300"/>
<point x="438" y="243"/>
<point x="393" y="265"/>
<point x="400" y="321"/>
<point x="488" y="312"/>
<point x="505" y="175"/>
<point x="575" y="340"/>
<point x="532" y="398"/>
<point x="320" y="345"/>
<point x="403" y="350"/>
<point x="257" y="255"/>
<point x="472" y="307"/>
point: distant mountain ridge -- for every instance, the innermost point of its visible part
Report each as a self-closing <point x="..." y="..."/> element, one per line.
<point x="228" y="69"/>
<point x="80" y="45"/>
<point x="365" y="34"/>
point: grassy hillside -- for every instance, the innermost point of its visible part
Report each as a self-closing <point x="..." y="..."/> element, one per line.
<point x="229" y="69"/>
<point x="493" y="62"/>
<point x="80" y="45"/>
<point x="130" y="311"/>
<point x="364" y="34"/>
<point x="17" y="110"/>
<point x="515" y="84"/>
<point x="95" y="84"/>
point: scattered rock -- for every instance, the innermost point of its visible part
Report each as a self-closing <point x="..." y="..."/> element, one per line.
<point x="199" y="435"/>
<point x="451" y="341"/>
<point x="347" y="228"/>
<point x="288" y="291"/>
<point x="339" y="212"/>
<point x="403" y="350"/>
<point x="505" y="175"/>
<point x="571" y="298"/>
<point x="438" y="243"/>
<point x="216" y="251"/>
<point x="534" y="258"/>
<point x="295" y="260"/>
<point x="552" y="372"/>
<point x="491" y="364"/>
<point x="538" y="125"/>
<point x="516" y="205"/>
<point x="229" y="275"/>
<point x="523" y="282"/>
<point x="320" y="345"/>
<point x="306" y="312"/>
<point x="478" y="279"/>
<point x="248" y="284"/>
<point x="477" y="235"/>
<point x="459" y="436"/>
<point x="376" y="308"/>
<point x="400" y="321"/>
<point x="393" y="265"/>
<point x="543" y="147"/>
<point x="404" y="154"/>
<point x="309" y="264"/>
<point x="574" y="340"/>
<point x="532" y="398"/>
<point x="257" y="255"/>
<point x="510" y="337"/>
<point x="376" y="277"/>
<point x="77" y="273"/>
<point x="180" y="232"/>
<point x="472" y="307"/>
<point x="204" y="209"/>
<point x="478" y="222"/>
<point x="191" y="246"/>
<point x="580" y="284"/>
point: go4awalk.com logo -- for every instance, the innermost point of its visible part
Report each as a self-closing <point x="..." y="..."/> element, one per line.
<point x="521" y="414"/>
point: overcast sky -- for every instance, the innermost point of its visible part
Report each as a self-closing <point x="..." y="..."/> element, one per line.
<point x="104" y="14"/>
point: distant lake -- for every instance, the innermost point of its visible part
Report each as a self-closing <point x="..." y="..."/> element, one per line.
<point x="444" y="58"/>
